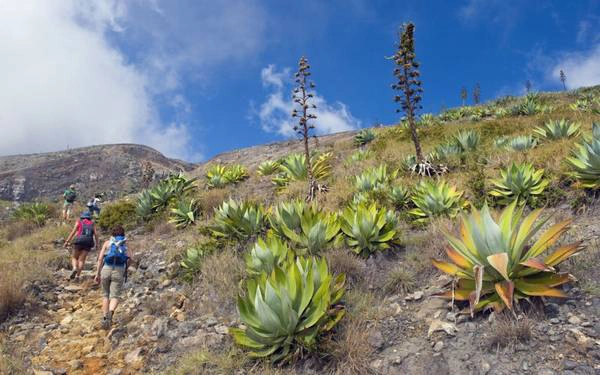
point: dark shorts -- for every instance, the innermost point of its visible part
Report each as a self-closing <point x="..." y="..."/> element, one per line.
<point x="81" y="248"/>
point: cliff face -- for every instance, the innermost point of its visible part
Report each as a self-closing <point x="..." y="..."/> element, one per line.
<point x="109" y="169"/>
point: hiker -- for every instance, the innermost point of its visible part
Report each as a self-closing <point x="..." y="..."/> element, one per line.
<point x="69" y="195"/>
<point x="113" y="261"/>
<point x="86" y="237"/>
<point x="94" y="205"/>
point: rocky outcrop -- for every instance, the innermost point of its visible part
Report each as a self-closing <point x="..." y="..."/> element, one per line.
<point x="109" y="169"/>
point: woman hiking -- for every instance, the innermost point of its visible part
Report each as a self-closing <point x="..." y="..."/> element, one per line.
<point x="113" y="260"/>
<point x="86" y="237"/>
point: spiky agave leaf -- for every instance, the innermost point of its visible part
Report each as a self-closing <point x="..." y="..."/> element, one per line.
<point x="520" y="182"/>
<point x="293" y="168"/>
<point x="368" y="228"/>
<point x="466" y="140"/>
<point x="497" y="262"/>
<point x="434" y="199"/>
<point x="363" y="137"/>
<point x="185" y="213"/>
<point x="215" y="176"/>
<point x="518" y="143"/>
<point x="235" y="173"/>
<point x="289" y="214"/>
<point x="286" y="311"/>
<point x="557" y="129"/>
<point x="399" y="196"/>
<point x="585" y="161"/>
<point x="238" y="220"/>
<point x="266" y="254"/>
<point x="268" y="167"/>
<point x="374" y="179"/>
<point x="317" y="231"/>
<point x="359" y="155"/>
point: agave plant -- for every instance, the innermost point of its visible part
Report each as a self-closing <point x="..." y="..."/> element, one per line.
<point x="184" y="213"/>
<point x="374" y="179"/>
<point x="445" y="151"/>
<point x="289" y="214"/>
<point x="268" y="167"/>
<point x="359" y="155"/>
<point x="317" y="231"/>
<point x="583" y="104"/>
<point x="363" y="137"/>
<point x="557" y="129"/>
<point x="518" y="143"/>
<point x="161" y="195"/>
<point x="368" y="228"/>
<point x="286" y="311"/>
<point x="179" y="184"/>
<point x="145" y="205"/>
<point x="427" y="119"/>
<point x="399" y="196"/>
<point x="520" y="182"/>
<point x="497" y="263"/>
<point x="436" y="198"/>
<point x="238" y="220"/>
<point x="502" y="112"/>
<point x="531" y="105"/>
<point x="267" y="254"/>
<point x="192" y="261"/>
<point x="36" y="213"/>
<point x="585" y="161"/>
<point x="466" y="140"/>
<point x="235" y="173"/>
<point x="293" y="168"/>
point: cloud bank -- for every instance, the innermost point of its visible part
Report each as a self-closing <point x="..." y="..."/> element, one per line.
<point x="275" y="112"/>
<point x="581" y="68"/>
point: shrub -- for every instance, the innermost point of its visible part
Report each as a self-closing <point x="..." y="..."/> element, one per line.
<point x="495" y="264"/>
<point x="36" y="213"/>
<point x="368" y="229"/>
<point x="288" y="310"/>
<point x="520" y="182"/>
<point x="119" y="213"/>
<point x="434" y="199"/>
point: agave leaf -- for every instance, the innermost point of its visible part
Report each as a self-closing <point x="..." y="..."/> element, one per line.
<point x="500" y="263"/>
<point x="562" y="253"/>
<point x="505" y="290"/>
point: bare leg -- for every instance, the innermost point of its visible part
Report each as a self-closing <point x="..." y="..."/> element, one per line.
<point x="113" y="304"/>
<point x="105" y="303"/>
<point x="81" y="261"/>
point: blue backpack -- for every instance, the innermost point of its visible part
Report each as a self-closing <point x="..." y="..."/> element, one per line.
<point x="117" y="252"/>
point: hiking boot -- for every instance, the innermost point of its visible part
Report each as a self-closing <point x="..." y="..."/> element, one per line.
<point x="106" y="322"/>
<point x="73" y="273"/>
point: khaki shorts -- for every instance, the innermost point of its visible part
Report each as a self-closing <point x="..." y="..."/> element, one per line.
<point x="112" y="281"/>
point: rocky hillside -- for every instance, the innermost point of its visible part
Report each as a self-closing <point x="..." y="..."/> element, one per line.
<point x="111" y="169"/>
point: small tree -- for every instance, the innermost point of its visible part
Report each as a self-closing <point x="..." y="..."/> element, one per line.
<point x="302" y="98"/>
<point x="563" y="79"/>
<point x="528" y="86"/>
<point x="408" y="84"/>
<point x="463" y="95"/>
<point x="476" y="93"/>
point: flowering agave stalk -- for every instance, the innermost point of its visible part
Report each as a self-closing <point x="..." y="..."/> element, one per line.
<point x="368" y="229"/>
<point x="286" y="312"/>
<point x="435" y="199"/>
<point x="558" y="129"/>
<point x="520" y="182"/>
<point x="585" y="161"/>
<point x="497" y="263"/>
<point x="267" y="254"/>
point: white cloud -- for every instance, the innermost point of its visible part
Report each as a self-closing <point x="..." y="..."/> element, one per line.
<point x="581" y="68"/>
<point x="77" y="72"/>
<point x="275" y="113"/>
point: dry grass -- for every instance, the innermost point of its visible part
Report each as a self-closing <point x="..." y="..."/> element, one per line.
<point x="400" y="280"/>
<point x="344" y="261"/>
<point x="211" y="199"/>
<point x="219" y="280"/>
<point x="584" y="267"/>
<point x="11" y="362"/>
<point x="508" y="331"/>
<point x="27" y="258"/>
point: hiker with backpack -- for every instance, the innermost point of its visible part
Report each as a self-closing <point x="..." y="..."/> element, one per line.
<point x="84" y="238"/>
<point x="70" y="195"/>
<point x="94" y="205"/>
<point x="113" y="261"/>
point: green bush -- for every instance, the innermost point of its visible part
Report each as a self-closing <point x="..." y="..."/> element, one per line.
<point x="118" y="213"/>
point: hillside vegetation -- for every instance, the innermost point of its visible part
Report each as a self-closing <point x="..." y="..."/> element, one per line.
<point x="386" y="271"/>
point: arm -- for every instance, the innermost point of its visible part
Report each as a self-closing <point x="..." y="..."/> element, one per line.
<point x="100" y="261"/>
<point x="71" y="235"/>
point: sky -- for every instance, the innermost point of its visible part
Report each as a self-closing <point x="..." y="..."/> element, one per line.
<point x="194" y="78"/>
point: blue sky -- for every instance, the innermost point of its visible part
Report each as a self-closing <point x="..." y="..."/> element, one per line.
<point x="196" y="78"/>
